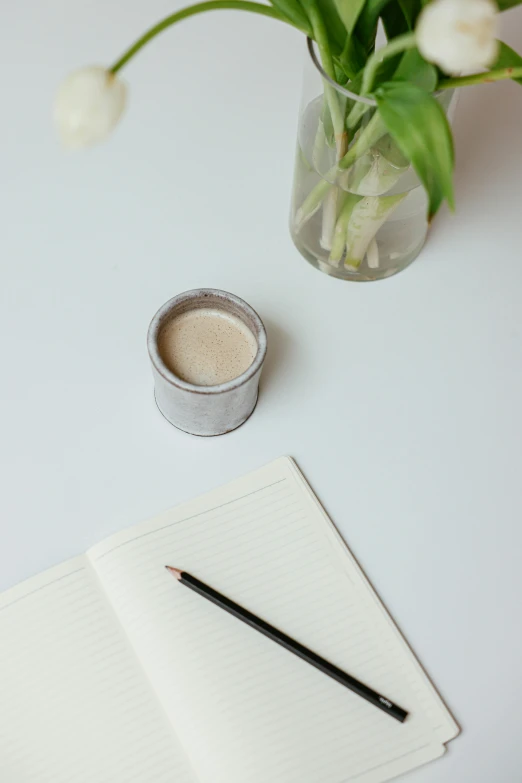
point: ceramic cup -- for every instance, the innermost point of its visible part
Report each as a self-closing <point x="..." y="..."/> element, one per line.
<point x="206" y="410"/>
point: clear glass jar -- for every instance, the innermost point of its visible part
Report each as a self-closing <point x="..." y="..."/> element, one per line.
<point x="359" y="211"/>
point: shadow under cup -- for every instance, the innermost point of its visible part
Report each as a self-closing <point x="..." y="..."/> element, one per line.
<point x="206" y="410"/>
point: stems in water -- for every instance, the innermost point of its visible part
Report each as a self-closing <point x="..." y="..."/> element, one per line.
<point x="367" y="217"/>
<point x="331" y="201"/>
<point x="369" y="136"/>
<point x="339" y="239"/>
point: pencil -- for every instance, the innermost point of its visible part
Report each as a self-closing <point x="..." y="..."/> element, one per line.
<point x="384" y="704"/>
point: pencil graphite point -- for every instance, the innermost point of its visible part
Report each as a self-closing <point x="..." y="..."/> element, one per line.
<point x="176" y="573"/>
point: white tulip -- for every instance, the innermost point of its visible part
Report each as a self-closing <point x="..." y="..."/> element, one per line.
<point x="459" y="35"/>
<point x="88" y="105"/>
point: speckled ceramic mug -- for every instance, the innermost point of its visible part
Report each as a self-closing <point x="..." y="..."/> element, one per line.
<point x="206" y="410"/>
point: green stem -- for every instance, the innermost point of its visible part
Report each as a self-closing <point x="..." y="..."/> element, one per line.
<point x="339" y="238"/>
<point x="358" y="111"/>
<point x="369" y="136"/>
<point x="313" y="201"/>
<point x="397" y="45"/>
<point x="199" y="8"/>
<point x="321" y="37"/>
<point x="480" y="78"/>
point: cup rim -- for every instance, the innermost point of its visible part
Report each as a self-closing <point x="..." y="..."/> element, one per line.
<point x="192" y="295"/>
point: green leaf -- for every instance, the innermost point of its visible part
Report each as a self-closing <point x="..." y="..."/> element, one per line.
<point x="349" y="11"/>
<point x="353" y="57"/>
<point x="507" y="58"/>
<point x="341" y="77"/>
<point x="419" y="126"/>
<point x="293" y="10"/>
<point x="413" y="68"/>
<point x="366" y="27"/>
<point x="333" y="23"/>
<point x="505" y="5"/>
<point x="408" y="67"/>
<point x="410" y="10"/>
<point x="397" y="18"/>
<point x="394" y="21"/>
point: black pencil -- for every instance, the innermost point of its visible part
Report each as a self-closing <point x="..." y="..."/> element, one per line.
<point x="289" y="644"/>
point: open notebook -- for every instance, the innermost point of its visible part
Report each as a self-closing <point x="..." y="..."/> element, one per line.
<point x="111" y="672"/>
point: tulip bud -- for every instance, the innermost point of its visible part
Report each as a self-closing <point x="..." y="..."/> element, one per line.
<point x="458" y="35"/>
<point x="88" y="105"/>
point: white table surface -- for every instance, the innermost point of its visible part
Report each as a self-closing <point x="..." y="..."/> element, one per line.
<point x="401" y="401"/>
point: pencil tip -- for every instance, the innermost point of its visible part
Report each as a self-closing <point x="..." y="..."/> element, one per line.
<point x="174" y="571"/>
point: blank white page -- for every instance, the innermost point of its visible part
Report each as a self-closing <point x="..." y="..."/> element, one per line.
<point x="76" y="707"/>
<point x="246" y="710"/>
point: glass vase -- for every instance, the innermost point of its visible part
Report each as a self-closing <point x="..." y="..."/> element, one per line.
<point x="359" y="211"/>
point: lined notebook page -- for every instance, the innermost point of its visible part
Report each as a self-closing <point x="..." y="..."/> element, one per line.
<point x="246" y="710"/>
<point x="434" y="708"/>
<point x="76" y="706"/>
